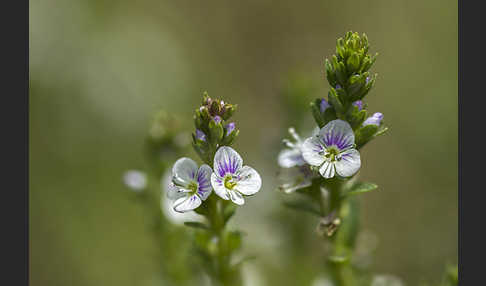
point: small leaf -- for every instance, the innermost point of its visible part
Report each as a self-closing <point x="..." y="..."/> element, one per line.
<point x="359" y="188"/>
<point x="196" y="224"/>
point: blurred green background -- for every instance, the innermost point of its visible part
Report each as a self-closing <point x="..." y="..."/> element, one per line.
<point x="100" y="69"/>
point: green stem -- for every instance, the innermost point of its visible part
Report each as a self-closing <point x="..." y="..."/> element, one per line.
<point x="341" y="271"/>
<point x="223" y="272"/>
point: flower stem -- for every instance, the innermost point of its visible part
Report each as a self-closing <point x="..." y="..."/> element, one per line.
<point x="339" y="260"/>
<point x="222" y="275"/>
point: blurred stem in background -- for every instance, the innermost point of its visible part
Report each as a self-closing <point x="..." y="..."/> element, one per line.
<point x="162" y="146"/>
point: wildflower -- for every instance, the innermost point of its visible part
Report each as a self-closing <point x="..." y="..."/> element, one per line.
<point x="296" y="178"/>
<point x="333" y="150"/>
<point x="192" y="184"/>
<point x="166" y="204"/>
<point x="292" y="157"/>
<point x="232" y="180"/>
<point x="135" y="180"/>
<point x="375" y="119"/>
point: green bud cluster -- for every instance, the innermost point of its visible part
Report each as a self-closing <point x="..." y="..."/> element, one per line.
<point x="212" y="120"/>
<point x="350" y="80"/>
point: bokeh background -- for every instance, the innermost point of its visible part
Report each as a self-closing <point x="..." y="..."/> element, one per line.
<point x="100" y="69"/>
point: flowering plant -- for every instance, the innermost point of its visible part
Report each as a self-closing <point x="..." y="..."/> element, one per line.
<point x="326" y="164"/>
<point x="192" y="186"/>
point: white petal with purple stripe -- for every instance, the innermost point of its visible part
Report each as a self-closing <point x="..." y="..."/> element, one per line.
<point x="349" y="164"/>
<point x="227" y="160"/>
<point x="332" y="150"/>
<point x="230" y="179"/>
<point x="337" y="133"/>
<point x="191" y="185"/>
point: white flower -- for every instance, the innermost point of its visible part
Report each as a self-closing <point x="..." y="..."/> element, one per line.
<point x="167" y="205"/>
<point x="192" y="185"/>
<point x="292" y="156"/>
<point x="135" y="180"/>
<point x="332" y="150"/>
<point x="231" y="180"/>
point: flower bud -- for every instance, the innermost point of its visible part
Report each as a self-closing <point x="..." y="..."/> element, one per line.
<point x="200" y="135"/>
<point x="217" y="119"/>
<point x="358" y="104"/>
<point x="229" y="128"/>
<point x="375" y="119"/>
<point x="324" y="105"/>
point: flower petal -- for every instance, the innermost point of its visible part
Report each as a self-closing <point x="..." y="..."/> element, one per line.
<point x="236" y="197"/>
<point x="292" y="179"/>
<point x="203" y="178"/>
<point x="327" y="170"/>
<point x="187" y="203"/>
<point x="311" y="151"/>
<point x="289" y="158"/>
<point x="249" y="181"/>
<point x="218" y="186"/>
<point x="184" y="171"/>
<point x="349" y="164"/>
<point x="227" y="160"/>
<point x="338" y="133"/>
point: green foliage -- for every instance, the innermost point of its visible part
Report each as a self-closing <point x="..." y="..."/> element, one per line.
<point x="359" y="188"/>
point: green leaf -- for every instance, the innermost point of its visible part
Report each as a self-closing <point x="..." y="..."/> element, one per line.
<point x="303" y="207"/>
<point x="359" y="188"/>
<point x="316" y="112"/>
<point x="335" y="101"/>
<point x="196" y="224"/>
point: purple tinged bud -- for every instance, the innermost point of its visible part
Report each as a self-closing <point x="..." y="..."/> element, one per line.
<point x="338" y="86"/>
<point x="359" y="104"/>
<point x="229" y="128"/>
<point x="217" y="119"/>
<point x="200" y="135"/>
<point x="375" y="119"/>
<point x="324" y="105"/>
<point x="367" y="79"/>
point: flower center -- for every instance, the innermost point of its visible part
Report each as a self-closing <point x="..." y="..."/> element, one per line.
<point x="193" y="186"/>
<point x="332" y="154"/>
<point x="229" y="183"/>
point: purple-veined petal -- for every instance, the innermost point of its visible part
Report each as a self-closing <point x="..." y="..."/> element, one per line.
<point x="203" y="178"/>
<point x="187" y="203"/>
<point x="227" y="160"/>
<point x="249" y="181"/>
<point x="289" y="158"/>
<point x="337" y="133"/>
<point x="312" y="151"/>
<point x="327" y="170"/>
<point x="236" y="197"/>
<point x="218" y="186"/>
<point x="349" y="164"/>
<point x="184" y="171"/>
